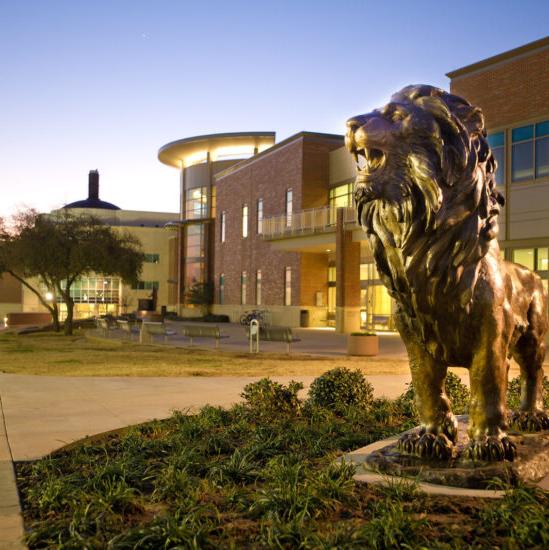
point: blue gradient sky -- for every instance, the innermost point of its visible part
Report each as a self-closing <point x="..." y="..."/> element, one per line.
<point x="104" y="84"/>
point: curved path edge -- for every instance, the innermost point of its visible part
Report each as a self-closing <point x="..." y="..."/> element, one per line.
<point x="11" y="518"/>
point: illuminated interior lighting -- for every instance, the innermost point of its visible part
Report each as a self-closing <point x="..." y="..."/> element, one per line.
<point x="232" y="152"/>
<point x="195" y="158"/>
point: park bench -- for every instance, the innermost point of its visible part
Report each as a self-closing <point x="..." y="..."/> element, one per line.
<point x="151" y="329"/>
<point x="202" y="331"/>
<point x="128" y="327"/>
<point x="277" y="334"/>
<point x="105" y="326"/>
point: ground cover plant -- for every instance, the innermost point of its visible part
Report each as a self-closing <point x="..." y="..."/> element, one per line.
<point x="259" y="475"/>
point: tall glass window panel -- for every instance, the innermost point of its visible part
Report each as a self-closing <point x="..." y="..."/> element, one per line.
<point x="497" y="143"/>
<point x="258" y="287"/>
<point x="542" y="259"/>
<point x="524" y="256"/>
<point x="339" y="197"/>
<point x="289" y="207"/>
<point x="196" y="203"/>
<point x="213" y="212"/>
<point x="522" y="154"/>
<point x="194" y="247"/>
<point x="259" y="216"/>
<point x="243" y="287"/>
<point x="244" y="221"/>
<point x="222" y="288"/>
<point x="288" y="286"/>
<point x="223" y="225"/>
<point x="542" y="149"/>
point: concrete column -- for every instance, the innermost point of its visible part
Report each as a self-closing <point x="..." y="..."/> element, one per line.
<point x="347" y="279"/>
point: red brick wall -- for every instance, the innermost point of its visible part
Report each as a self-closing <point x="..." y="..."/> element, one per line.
<point x="508" y="92"/>
<point x="302" y="165"/>
<point x="268" y="178"/>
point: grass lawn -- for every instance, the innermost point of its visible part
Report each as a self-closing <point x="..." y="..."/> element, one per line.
<point x="58" y="355"/>
<point x="260" y="475"/>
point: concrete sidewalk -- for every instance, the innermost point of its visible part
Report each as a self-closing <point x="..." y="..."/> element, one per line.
<point x="11" y="521"/>
<point x="314" y="341"/>
<point x="43" y="413"/>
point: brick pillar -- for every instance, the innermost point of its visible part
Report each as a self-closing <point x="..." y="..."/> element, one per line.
<point x="347" y="279"/>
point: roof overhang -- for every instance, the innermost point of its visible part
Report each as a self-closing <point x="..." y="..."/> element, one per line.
<point x="177" y="152"/>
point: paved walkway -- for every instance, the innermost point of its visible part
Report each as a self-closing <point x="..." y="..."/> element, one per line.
<point x="43" y="413"/>
<point x="11" y="521"/>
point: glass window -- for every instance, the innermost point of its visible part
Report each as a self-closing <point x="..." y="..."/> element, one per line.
<point x="339" y="197"/>
<point x="244" y="221"/>
<point x="497" y="143"/>
<point x="152" y="258"/>
<point x="243" y="287"/>
<point x="288" y="286"/>
<point x="542" y="259"/>
<point x="259" y="216"/>
<point x="222" y="288"/>
<point x="524" y="256"/>
<point x="258" y="287"/>
<point x="194" y="245"/>
<point x="144" y="285"/>
<point x="289" y="207"/>
<point x="223" y="223"/>
<point x="193" y="273"/>
<point x="542" y="149"/>
<point x="530" y="151"/>
<point x="196" y="203"/>
<point x="213" y="212"/>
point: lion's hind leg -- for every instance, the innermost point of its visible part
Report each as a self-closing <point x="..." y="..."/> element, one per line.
<point x="529" y="353"/>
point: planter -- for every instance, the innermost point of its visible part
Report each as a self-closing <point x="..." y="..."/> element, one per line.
<point x="363" y="344"/>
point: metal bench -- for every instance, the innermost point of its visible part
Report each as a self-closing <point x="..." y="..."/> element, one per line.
<point x="128" y="327"/>
<point x="278" y="334"/>
<point x="202" y="331"/>
<point x="151" y="329"/>
<point x="105" y="326"/>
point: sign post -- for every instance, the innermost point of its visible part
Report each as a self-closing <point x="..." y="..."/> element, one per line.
<point x="254" y="336"/>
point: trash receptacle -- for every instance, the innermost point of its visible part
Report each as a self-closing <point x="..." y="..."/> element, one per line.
<point x="304" y="318"/>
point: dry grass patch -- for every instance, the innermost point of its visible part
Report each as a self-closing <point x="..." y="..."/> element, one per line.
<point x="79" y="355"/>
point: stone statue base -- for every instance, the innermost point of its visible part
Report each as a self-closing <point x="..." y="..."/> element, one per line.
<point x="531" y="465"/>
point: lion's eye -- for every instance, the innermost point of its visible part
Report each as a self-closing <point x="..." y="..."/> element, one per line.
<point x="398" y="116"/>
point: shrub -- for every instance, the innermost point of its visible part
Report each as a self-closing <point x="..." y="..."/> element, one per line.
<point x="340" y="388"/>
<point x="267" y="398"/>
<point x="456" y="390"/>
<point x="513" y="393"/>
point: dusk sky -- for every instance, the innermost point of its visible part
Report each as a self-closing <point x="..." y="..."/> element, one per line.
<point x="104" y="84"/>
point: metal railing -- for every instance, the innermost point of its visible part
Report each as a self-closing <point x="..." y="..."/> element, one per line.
<point x="306" y="222"/>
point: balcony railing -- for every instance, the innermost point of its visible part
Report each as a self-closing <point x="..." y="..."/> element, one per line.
<point x="306" y="222"/>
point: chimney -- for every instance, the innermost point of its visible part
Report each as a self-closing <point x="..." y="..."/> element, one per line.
<point x="93" y="184"/>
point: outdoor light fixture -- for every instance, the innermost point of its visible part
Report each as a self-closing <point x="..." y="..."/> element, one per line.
<point x="48" y="296"/>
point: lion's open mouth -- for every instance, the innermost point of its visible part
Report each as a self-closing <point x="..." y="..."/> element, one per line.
<point x="369" y="160"/>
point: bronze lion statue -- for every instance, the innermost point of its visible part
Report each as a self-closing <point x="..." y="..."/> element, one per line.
<point x="426" y="198"/>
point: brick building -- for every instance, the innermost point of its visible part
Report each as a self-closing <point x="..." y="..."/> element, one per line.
<point x="281" y="226"/>
<point x="512" y="89"/>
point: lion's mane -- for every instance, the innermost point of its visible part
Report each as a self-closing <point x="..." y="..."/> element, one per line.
<point x="448" y="205"/>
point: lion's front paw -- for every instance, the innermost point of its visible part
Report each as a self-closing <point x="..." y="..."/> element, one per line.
<point x="529" y="421"/>
<point x="427" y="445"/>
<point x="491" y="448"/>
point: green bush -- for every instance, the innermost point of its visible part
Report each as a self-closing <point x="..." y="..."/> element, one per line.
<point x="341" y="388"/>
<point x="267" y="398"/>
<point x="513" y="393"/>
<point x="456" y="390"/>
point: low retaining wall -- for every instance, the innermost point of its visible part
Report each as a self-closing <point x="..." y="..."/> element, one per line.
<point x="27" y="319"/>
